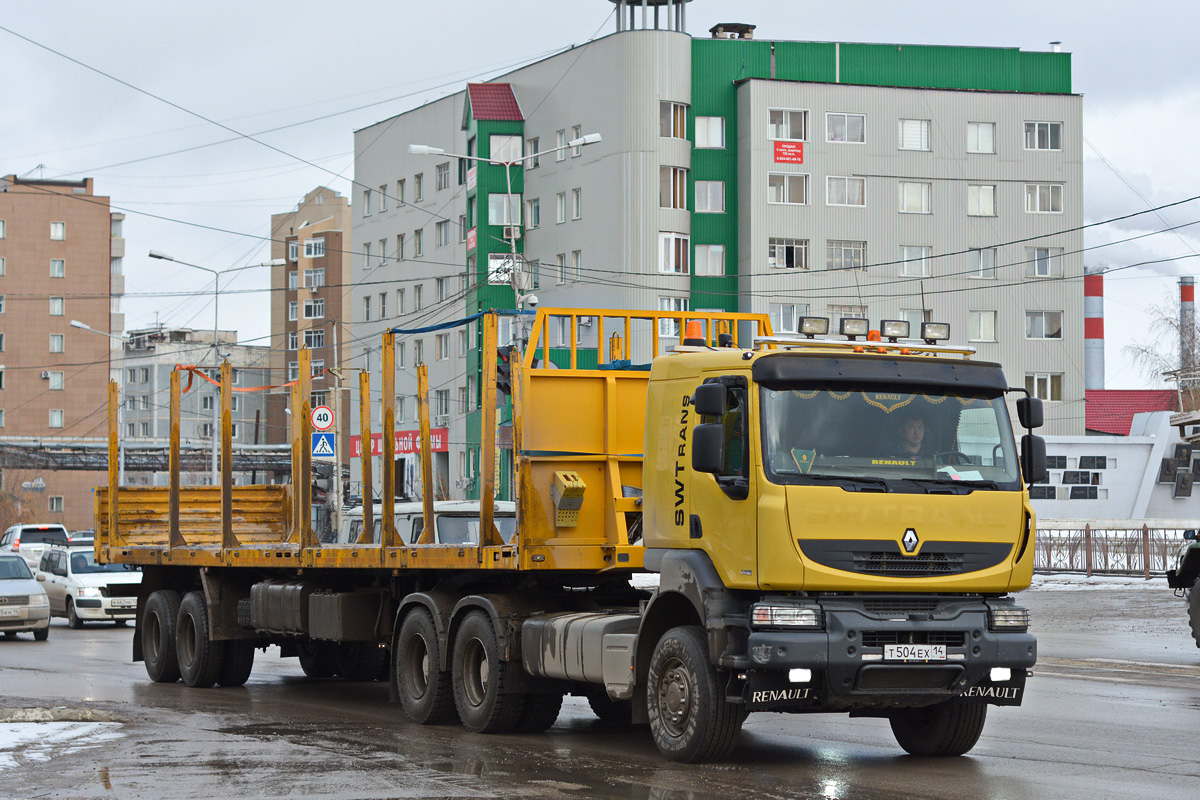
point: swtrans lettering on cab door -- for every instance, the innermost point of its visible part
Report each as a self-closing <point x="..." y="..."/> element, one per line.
<point x="680" y="462"/>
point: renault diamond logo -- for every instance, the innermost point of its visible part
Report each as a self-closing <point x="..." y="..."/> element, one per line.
<point x="910" y="540"/>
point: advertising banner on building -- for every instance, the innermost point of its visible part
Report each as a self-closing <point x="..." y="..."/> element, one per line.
<point x="789" y="152"/>
<point x="407" y="442"/>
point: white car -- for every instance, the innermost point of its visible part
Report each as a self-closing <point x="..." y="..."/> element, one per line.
<point x="23" y="605"/>
<point x="81" y="590"/>
<point x="457" y="521"/>
<point x="29" y="541"/>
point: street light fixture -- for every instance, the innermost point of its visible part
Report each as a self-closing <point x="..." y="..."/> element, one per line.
<point x="120" y="405"/>
<point x="275" y="262"/>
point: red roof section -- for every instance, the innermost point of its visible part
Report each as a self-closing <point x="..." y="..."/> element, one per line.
<point x="494" y="101"/>
<point x="1111" y="410"/>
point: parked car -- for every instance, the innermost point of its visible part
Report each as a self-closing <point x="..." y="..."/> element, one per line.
<point x="23" y="603"/>
<point x="457" y="521"/>
<point x="81" y="590"/>
<point x="29" y="541"/>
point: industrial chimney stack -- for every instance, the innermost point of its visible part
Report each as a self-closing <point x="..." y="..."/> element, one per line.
<point x="1093" y="327"/>
<point x="1187" y="322"/>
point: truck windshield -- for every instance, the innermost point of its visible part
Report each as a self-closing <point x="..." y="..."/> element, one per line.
<point x="888" y="441"/>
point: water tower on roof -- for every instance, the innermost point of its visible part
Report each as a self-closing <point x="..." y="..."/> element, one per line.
<point x="662" y="15"/>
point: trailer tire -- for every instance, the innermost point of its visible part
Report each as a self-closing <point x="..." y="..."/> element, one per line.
<point x="946" y="729"/>
<point x="483" y="704"/>
<point x="618" y="712"/>
<point x="540" y="712"/>
<point x="317" y="659"/>
<point x="690" y="719"/>
<point x="360" y="661"/>
<point x="1194" y="611"/>
<point x="422" y="681"/>
<point x="157" y="632"/>
<point x="237" y="663"/>
<point x="199" y="656"/>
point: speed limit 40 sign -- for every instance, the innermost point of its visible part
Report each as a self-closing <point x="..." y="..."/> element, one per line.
<point x="322" y="418"/>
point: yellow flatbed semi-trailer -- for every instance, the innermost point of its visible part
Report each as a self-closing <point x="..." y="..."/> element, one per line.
<point x="805" y="563"/>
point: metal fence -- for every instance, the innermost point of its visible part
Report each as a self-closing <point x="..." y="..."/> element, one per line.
<point x="1112" y="547"/>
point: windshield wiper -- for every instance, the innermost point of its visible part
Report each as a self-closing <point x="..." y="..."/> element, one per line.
<point x="856" y="483"/>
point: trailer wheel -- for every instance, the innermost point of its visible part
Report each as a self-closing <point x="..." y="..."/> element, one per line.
<point x="422" y="681"/>
<point x="539" y="712"/>
<point x="689" y="717"/>
<point x="946" y="729"/>
<point x="199" y="656"/>
<point x="158" y="636"/>
<point x="1194" y="611"/>
<point x="609" y="710"/>
<point x="317" y="659"/>
<point x="360" y="661"/>
<point x="237" y="663"/>
<point x="479" y="692"/>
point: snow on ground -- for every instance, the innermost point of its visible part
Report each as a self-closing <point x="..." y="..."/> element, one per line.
<point x="22" y="742"/>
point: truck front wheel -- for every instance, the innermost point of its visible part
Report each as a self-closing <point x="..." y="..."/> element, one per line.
<point x="1194" y="611"/>
<point x="158" y="636"/>
<point x="199" y="656"/>
<point x="689" y="717"/>
<point x="422" y="681"/>
<point x="484" y="705"/>
<point x="946" y="729"/>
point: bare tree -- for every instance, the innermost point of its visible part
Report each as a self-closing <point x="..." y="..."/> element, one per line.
<point x="1165" y="351"/>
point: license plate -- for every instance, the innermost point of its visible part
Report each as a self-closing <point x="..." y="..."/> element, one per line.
<point x="914" y="652"/>
<point x="124" y="602"/>
<point x="9" y="612"/>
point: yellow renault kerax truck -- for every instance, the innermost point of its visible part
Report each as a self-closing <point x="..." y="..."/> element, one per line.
<point x="711" y="520"/>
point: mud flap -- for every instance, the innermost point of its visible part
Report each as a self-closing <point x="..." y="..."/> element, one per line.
<point x="1006" y="693"/>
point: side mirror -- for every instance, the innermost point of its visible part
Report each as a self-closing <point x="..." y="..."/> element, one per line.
<point x="41" y="576"/>
<point x="709" y="400"/>
<point x="1033" y="459"/>
<point x="1029" y="412"/>
<point x="708" y="445"/>
<point x="1189" y="536"/>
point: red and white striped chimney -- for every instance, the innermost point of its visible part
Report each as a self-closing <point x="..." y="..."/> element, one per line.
<point x="1093" y="327"/>
<point x="1187" y="322"/>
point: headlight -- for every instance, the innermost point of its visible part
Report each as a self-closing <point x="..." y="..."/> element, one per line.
<point x="89" y="591"/>
<point x="1008" y="618"/>
<point x="785" y="616"/>
<point x="38" y="600"/>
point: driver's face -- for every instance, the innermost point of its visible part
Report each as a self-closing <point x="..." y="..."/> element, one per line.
<point x="912" y="433"/>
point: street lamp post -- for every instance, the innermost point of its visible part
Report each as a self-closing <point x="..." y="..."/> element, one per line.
<point x="121" y="402"/>
<point x="216" y="423"/>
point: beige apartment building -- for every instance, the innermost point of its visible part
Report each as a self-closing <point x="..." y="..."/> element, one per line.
<point x="60" y="260"/>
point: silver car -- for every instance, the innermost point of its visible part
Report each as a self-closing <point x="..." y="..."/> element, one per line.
<point x="23" y="603"/>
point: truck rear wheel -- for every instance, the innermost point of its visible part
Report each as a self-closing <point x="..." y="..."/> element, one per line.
<point x="360" y="661"/>
<point x="1194" y="611"/>
<point x="199" y="656"/>
<point x="479" y="692"/>
<point x="237" y="664"/>
<point x="317" y="659"/>
<point x="540" y="712"/>
<point x="946" y="729"/>
<point x="158" y="636"/>
<point x="609" y="710"/>
<point x="422" y="681"/>
<point x="689" y="717"/>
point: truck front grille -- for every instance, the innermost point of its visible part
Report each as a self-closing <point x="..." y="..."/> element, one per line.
<point x="923" y="565"/>
<point x="900" y="606"/>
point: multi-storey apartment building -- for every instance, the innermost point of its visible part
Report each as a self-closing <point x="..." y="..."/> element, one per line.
<point x="60" y="259"/>
<point x="783" y="177"/>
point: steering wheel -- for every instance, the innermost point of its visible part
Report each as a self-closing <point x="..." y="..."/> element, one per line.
<point x="954" y="458"/>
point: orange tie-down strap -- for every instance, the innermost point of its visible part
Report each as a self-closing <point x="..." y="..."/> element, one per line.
<point x="192" y="370"/>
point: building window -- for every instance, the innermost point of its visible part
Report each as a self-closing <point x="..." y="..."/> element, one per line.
<point x="366" y="196"/>
<point x="314" y="248"/>
<point x="2" y="378"/>
<point x="383" y="305"/>
<point x="1" y="302"/>
<point x="1043" y="198"/>
<point x="561" y="207"/>
<point x="787" y="188"/>
<point x="841" y="254"/>
<point x="56" y="418"/>
<point x="914" y="317"/>
<point x="441" y="232"/>
<point x="1044" y="385"/>
<point x="58" y="231"/>
<point x="576" y="203"/>
<point x="441" y="403"/>
<point x="672" y="187"/>
<point x="533" y="147"/>
<point x="58" y="268"/>
<point x="418" y="243"/>
<point x="914" y="260"/>
<point x="576" y="264"/>
<point x="846" y="128"/>
<point x="56" y="503"/>
<point x="1043" y="324"/>
<point x="293" y="307"/>
<point x="366" y="251"/>
<point x="293" y="370"/>
<point x="982" y="262"/>
<point x="981" y="326"/>
<point x="504" y="147"/>
<point x="981" y="137"/>
<point x="419" y="352"/>
<point x="913" y="134"/>
<point x="382" y="252"/>
<point x="576" y="133"/>
<point x="463" y="342"/>
<point x="314" y="309"/>
<point x="382" y="198"/>
<point x="441" y="346"/>
<point x="56" y="306"/>
<point x="673" y="253"/>
<point x="786" y="316"/>
<point x="317" y="366"/>
<point x="314" y="278"/>
<point x="1" y="266"/>
<point x="293" y="340"/>
<point x="533" y="213"/>
<point x="207" y="402"/>
<point x="144" y="375"/>
<point x="418" y="187"/>
<point x="710" y="259"/>
<point x="292" y="280"/>
<point x="1043" y="136"/>
<point x="399" y="302"/>
<point x="710" y="132"/>
<point x="56" y="382"/>
<point x="441" y="176"/>
<point x="672" y="120"/>
<point x="981" y="200"/>
<point x="560" y="143"/>
<point x="367" y="308"/>
<point x="504" y="209"/>
<point x="710" y="197"/>
<point x="842" y="191"/>
<point x="441" y="289"/>
<point x="670" y="327"/>
<point x="2" y="229"/>
<point x="1043" y="262"/>
<point x="293" y="250"/>
<point x="916" y="198"/>
<point x="560" y="261"/>
<point x="787" y="125"/>
<point x="400" y="184"/>
<point x="56" y="343"/>
<point x="787" y="253"/>
<point x="314" y="337"/>
<point x="837" y="313"/>
<point x="462" y="227"/>
<point x="400" y="354"/>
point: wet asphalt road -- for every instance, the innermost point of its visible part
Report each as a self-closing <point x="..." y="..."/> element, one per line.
<point x="1113" y="711"/>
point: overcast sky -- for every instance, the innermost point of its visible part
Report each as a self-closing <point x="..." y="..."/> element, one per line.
<point x="302" y="76"/>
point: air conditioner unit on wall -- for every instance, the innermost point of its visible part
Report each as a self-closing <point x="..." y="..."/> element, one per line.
<point x="512" y="232"/>
<point x="46" y="374"/>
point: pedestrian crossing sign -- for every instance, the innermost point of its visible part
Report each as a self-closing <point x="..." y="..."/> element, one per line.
<point x="323" y="445"/>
